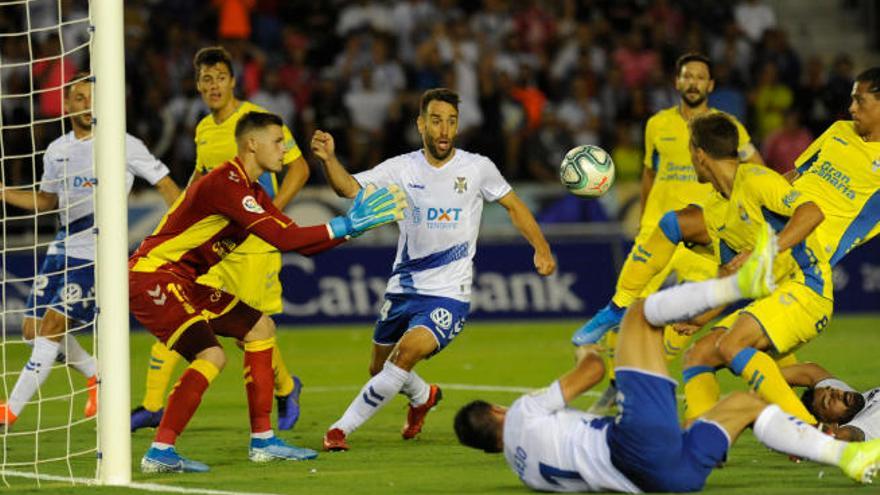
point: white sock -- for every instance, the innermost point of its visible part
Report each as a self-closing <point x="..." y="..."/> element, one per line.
<point x="789" y="435"/>
<point x="375" y="394"/>
<point x="162" y="446"/>
<point x="34" y="373"/>
<point x="77" y="357"/>
<point x="416" y="389"/>
<point x="683" y="302"/>
<point x="264" y="434"/>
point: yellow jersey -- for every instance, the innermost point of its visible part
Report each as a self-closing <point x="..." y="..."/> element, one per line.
<point x="841" y="173"/>
<point x="215" y="144"/>
<point x="760" y="195"/>
<point x="675" y="182"/>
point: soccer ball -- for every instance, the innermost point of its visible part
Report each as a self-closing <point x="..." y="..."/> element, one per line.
<point x="587" y="171"/>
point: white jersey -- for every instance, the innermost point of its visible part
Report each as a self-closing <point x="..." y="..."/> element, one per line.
<point x="558" y="449"/>
<point x="68" y="173"/>
<point x="438" y="236"/>
<point x="868" y="419"/>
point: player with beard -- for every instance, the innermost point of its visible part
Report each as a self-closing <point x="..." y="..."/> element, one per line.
<point x="844" y="412"/>
<point x="669" y="183"/>
<point x="428" y="295"/>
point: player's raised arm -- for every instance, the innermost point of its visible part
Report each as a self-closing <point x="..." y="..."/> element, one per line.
<point x="340" y="180"/>
<point x="804" y="374"/>
<point x="525" y="222"/>
<point x="168" y="189"/>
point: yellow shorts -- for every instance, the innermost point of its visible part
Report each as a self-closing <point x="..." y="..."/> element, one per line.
<point x="791" y="316"/>
<point x="687" y="265"/>
<point x="251" y="273"/>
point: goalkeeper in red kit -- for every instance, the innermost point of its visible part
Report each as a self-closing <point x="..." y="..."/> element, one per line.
<point x="207" y="222"/>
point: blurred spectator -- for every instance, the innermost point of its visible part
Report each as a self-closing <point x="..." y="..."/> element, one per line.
<point x="810" y="97"/>
<point x="727" y="96"/>
<point x="635" y="60"/>
<point x="296" y="77"/>
<point x="50" y="72"/>
<point x="754" y="17"/>
<point x="273" y="97"/>
<point x="775" y="49"/>
<point x="735" y="51"/>
<point x="771" y="99"/>
<point x="626" y="155"/>
<point x="368" y="110"/>
<point x="580" y="113"/>
<point x="234" y="18"/>
<point x="546" y="148"/>
<point x="784" y="145"/>
<point x="839" y="87"/>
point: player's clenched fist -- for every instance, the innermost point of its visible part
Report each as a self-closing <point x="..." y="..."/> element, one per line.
<point x="323" y="145"/>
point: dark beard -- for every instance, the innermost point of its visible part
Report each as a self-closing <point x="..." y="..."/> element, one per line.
<point x="858" y="403"/>
<point x="432" y="150"/>
<point x="693" y="104"/>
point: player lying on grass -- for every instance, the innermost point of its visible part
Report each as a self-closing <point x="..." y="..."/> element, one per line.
<point x="643" y="449"/>
<point x="208" y="221"/>
<point x="846" y="413"/>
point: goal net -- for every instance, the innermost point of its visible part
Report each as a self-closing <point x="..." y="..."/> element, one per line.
<point x="49" y="375"/>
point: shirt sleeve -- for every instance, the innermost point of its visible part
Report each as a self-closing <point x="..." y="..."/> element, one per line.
<point x="545" y="401"/>
<point x="746" y="147"/>
<point x="868" y="419"/>
<point x="49" y="182"/>
<point x="493" y="185"/>
<point x="252" y="210"/>
<point x="652" y="157"/>
<point x="381" y="175"/>
<point x="142" y="163"/>
<point x="293" y="152"/>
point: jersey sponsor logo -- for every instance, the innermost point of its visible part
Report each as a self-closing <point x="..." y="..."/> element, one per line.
<point x="838" y="180"/>
<point x="413" y="185"/>
<point x="250" y="204"/>
<point x="443" y="218"/>
<point x="223" y="247"/>
<point x="875" y="165"/>
<point x="80" y="181"/>
<point x="791" y="197"/>
<point x="442" y="317"/>
<point x="460" y="185"/>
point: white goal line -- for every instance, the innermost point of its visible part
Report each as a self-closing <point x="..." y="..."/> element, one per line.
<point x="148" y="487"/>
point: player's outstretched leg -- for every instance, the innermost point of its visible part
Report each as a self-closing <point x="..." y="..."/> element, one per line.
<point x="259" y="383"/>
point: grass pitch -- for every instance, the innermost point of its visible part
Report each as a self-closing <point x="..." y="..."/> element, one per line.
<point x="332" y="363"/>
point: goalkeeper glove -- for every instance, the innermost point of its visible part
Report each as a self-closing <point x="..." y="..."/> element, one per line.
<point x="370" y="209"/>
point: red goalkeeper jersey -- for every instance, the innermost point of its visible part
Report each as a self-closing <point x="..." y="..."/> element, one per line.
<point x="215" y="215"/>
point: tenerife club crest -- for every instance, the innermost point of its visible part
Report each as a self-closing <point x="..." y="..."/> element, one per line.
<point x="875" y="165"/>
<point x="460" y="184"/>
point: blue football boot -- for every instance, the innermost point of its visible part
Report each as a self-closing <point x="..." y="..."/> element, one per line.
<point x="288" y="406"/>
<point x="270" y="449"/>
<point x="169" y="461"/>
<point x="592" y="331"/>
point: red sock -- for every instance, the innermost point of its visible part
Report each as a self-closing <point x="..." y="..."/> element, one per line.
<point x="182" y="404"/>
<point x="259" y="382"/>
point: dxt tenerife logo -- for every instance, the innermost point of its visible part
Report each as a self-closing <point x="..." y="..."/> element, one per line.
<point x="443" y="218"/>
<point x="79" y="181"/>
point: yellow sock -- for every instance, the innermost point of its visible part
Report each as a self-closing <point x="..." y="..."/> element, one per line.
<point x="701" y="391"/>
<point x="645" y="260"/>
<point x="786" y="360"/>
<point x="283" y="381"/>
<point x="609" y="342"/>
<point x="764" y="377"/>
<point x="674" y="343"/>
<point x="162" y="363"/>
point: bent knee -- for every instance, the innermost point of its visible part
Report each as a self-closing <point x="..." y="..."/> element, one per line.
<point x="702" y="352"/>
<point x="214" y="355"/>
<point x="263" y="329"/>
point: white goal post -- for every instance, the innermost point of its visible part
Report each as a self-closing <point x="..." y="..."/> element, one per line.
<point x="111" y="220"/>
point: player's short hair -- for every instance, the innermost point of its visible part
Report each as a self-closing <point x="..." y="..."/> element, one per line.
<point x="716" y="134"/>
<point x="212" y="55"/>
<point x="441" y="94"/>
<point x="475" y="427"/>
<point x="255" y="120"/>
<point x="872" y="77"/>
<point x="78" y="78"/>
<point x="692" y="57"/>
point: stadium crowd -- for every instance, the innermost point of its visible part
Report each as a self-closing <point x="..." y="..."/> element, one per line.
<point x="535" y="77"/>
